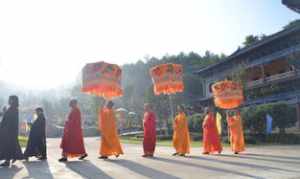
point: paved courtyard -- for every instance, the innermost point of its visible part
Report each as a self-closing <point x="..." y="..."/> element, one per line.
<point x="258" y="162"/>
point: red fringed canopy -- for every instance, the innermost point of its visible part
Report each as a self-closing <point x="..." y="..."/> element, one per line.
<point x="167" y="78"/>
<point x="228" y="94"/>
<point x="102" y="79"/>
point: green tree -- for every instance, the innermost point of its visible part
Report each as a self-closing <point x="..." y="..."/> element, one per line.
<point x="251" y="39"/>
<point x="284" y="116"/>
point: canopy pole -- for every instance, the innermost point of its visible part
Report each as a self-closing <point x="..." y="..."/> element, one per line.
<point x="171" y="105"/>
<point x="172" y="113"/>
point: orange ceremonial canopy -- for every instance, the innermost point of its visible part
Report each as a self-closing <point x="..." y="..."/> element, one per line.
<point x="228" y="94"/>
<point x="167" y="78"/>
<point x="102" y="79"/>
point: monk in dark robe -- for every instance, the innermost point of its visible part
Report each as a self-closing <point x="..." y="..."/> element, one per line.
<point x="211" y="138"/>
<point x="9" y="129"/>
<point x="149" y="124"/>
<point x="36" y="145"/>
<point x="72" y="142"/>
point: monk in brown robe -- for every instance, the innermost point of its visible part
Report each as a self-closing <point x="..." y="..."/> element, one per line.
<point x="149" y="125"/>
<point x="181" y="135"/>
<point x="72" y="142"/>
<point x="236" y="134"/>
<point x="110" y="143"/>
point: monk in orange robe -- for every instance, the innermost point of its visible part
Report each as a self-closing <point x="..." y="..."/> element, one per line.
<point x="72" y="142"/>
<point x="110" y="143"/>
<point x="235" y="129"/>
<point x="149" y="124"/>
<point x="211" y="138"/>
<point x="181" y="135"/>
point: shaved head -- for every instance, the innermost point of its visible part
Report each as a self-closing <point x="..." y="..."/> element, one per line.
<point x="147" y="107"/>
<point x="73" y="103"/>
<point x="109" y="104"/>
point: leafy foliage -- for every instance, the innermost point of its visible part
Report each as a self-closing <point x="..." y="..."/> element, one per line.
<point x="138" y="87"/>
<point x="283" y="115"/>
<point x="251" y="39"/>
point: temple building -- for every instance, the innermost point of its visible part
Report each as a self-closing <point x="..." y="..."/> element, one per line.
<point x="270" y="69"/>
<point x="292" y="4"/>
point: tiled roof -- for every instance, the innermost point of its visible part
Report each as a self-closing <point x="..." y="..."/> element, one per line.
<point x="254" y="46"/>
<point x="292" y="4"/>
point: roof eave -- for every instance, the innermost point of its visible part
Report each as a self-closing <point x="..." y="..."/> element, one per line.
<point x="249" y="48"/>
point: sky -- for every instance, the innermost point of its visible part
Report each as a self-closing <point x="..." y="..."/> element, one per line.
<point x="45" y="44"/>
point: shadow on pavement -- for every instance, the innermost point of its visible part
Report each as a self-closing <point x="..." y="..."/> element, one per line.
<point x="214" y="169"/>
<point x="143" y="170"/>
<point x="38" y="169"/>
<point x="87" y="170"/>
<point x="9" y="173"/>
<point x="274" y="156"/>
<point x="240" y="164"/>
<point x="252" y="157"/>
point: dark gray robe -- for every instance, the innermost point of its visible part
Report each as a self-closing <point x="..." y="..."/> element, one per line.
<point x="36" y="145"/>
<point x="9" y="130"/>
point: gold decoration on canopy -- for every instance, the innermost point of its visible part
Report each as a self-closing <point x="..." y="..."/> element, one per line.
<point x="102" y="79"/>
<point x="228" y="94"/>
<point x="167" y="78"/>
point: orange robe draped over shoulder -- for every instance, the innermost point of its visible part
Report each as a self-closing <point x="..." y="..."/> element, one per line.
<point x="236" y="133"/>
<point x="110" y="143"/>
<point x="181" y="135"/>
<point x="211" y="138"/>
<point x="72" y="142"/>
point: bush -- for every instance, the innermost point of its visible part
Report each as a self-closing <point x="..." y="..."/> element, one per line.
<point x="283" y="139"/>
<point x="196" y="136"/>
<point x="284" y="116"/>
<point x="164" y="137"/>
<point x="274" y="138"/>
<point x="255" y="117"/>
<point x="251" y="140"/>
<point x="195" y="122"/>
<point x="286" y="139"/>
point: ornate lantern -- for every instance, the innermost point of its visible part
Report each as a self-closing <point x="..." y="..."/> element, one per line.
<point x="228" y="94"/>
<point x="102" y="79"/>
<point x="167" y="79"/>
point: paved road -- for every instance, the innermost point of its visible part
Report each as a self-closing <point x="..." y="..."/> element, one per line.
<point x="259" y="162"/>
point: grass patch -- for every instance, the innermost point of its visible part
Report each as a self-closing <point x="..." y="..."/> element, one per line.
<point x="23" y="141"/>
<point x="167" y="143"/>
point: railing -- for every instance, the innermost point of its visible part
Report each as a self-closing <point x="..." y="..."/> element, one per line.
<point x="281" y="76"/>
<point x="291" y="97"/>
<point x="272" y="78"/>
<point x="274" y="56"/>
<point x="254" y="83"/>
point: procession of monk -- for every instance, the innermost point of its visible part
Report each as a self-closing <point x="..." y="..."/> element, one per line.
<point x="72" y="143"/>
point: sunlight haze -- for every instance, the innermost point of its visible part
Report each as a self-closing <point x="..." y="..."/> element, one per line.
<point x="44" y="44"/>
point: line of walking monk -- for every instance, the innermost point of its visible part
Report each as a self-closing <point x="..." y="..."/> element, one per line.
<point x="72" y="143"/>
